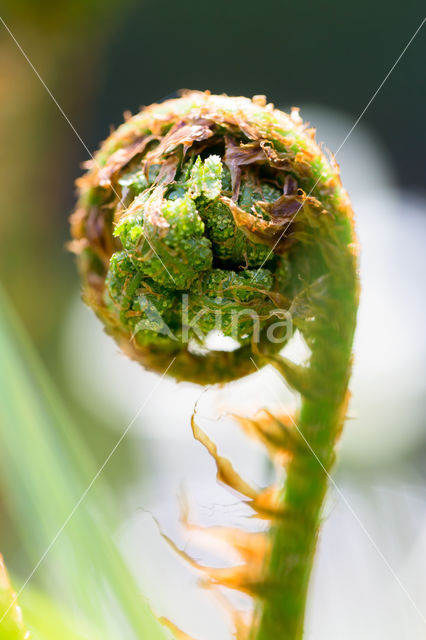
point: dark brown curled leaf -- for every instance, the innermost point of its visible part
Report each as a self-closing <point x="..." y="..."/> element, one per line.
<point x="182" y="133"/>
<point x="243" y="154"/>
<point x="247" y="128"/>
<point x="290" y="185"/>
<point x="288" y="205"/>
<point x="283" y="213"/>
<point x="167" y="171"/>
<point x="276" y="159"/>
<point x="238" y="155"/>
<point x="257" y="152"/>
<point x="273" y="232"/>
<point x="98" y="233"/>
<point x="283" y="208"/>
<point x="120" y="158"/>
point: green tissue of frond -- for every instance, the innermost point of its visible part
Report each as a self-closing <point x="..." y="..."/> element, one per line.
<point x="147" y="308"/>
<point x="171" y="253"/>
<point x="234" y="303"/>
<point x="230" y="244"/>
<point x="172" y="240"/>
<point x="136" y="181"/>
<point x="205" y="180"/>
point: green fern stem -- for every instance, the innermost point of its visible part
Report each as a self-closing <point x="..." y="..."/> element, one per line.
<point x="294" y="537"/>
<point x="323" y="387"/>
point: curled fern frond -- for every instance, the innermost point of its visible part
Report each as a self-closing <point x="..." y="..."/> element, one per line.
<point x="187" y="221"/>
<point x="209" y="213"/>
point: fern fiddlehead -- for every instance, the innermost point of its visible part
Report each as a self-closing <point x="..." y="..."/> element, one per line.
<point x="211" y="212"/>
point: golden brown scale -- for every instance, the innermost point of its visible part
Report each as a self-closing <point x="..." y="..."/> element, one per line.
<point x="276" y="433"/>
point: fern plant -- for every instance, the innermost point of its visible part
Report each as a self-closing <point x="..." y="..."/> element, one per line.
<point x="209" y="213"/>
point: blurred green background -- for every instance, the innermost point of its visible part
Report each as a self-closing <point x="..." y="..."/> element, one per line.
<point x="101" y="58"/>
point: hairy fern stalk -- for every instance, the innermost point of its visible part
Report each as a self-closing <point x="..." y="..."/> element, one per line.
<point x="212" y="212"/>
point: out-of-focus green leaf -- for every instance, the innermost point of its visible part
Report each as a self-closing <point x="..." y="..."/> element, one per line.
<point x="45" y="472"/>
<point x="47" y="621"/>
<point x="11" y="623"/>
<point x="42" y="620"/>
